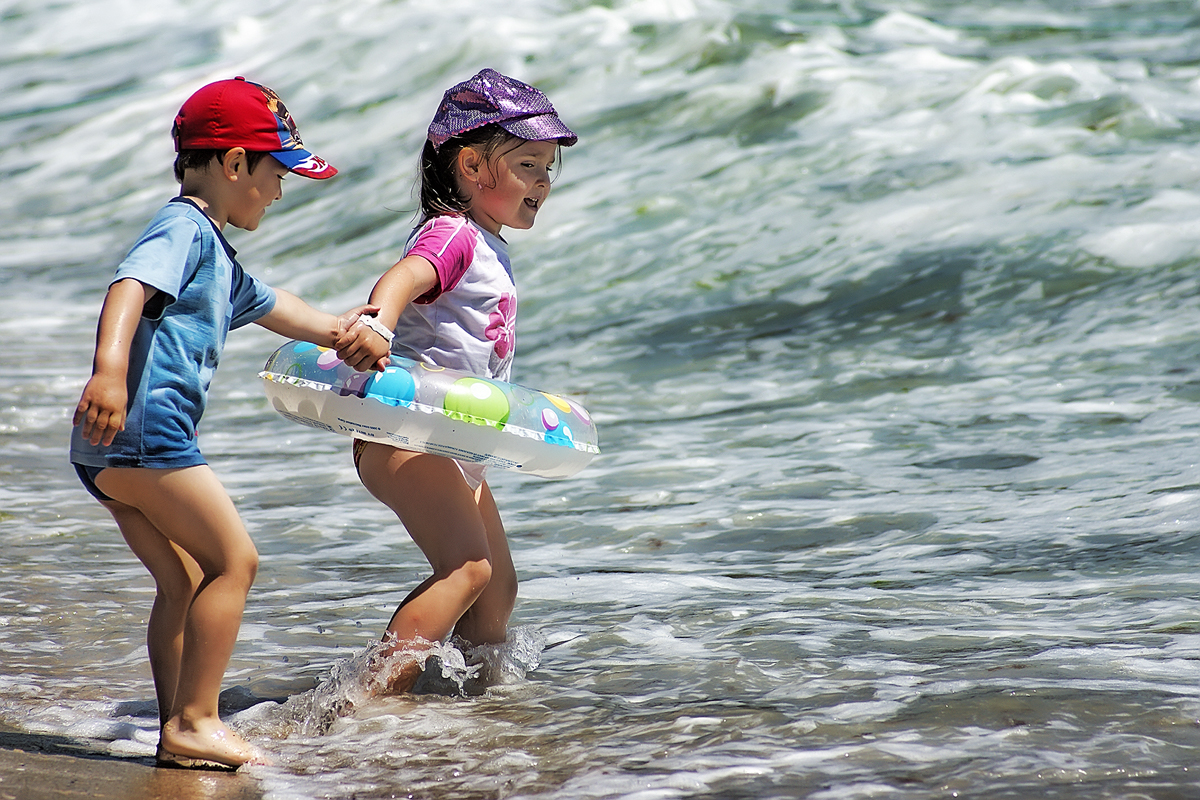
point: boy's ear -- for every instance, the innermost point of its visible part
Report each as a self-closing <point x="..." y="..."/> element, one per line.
<point x="234" y="163"/>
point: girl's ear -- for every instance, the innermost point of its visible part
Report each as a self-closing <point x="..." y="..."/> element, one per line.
<point x="469" y="162"/>
<point x="235" y="161"/>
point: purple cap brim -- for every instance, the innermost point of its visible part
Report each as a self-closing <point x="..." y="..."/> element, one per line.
<point x="541" y="128"/>
<point x="302" y="162"/>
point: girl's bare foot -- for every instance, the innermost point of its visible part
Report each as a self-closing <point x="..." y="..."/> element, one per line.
<point x="403" y="678"/>
<point x="206" y="744"/>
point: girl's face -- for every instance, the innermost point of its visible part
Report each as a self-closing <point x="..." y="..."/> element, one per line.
<point x="511" y="187"/>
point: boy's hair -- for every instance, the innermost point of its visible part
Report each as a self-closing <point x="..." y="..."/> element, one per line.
<point x="200" y="159"/>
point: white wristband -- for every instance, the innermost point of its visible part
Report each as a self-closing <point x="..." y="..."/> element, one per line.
<point x="378" y="327"/>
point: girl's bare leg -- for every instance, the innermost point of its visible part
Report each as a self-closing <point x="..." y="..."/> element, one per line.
<point x="190" y="509"/>
<point x="486" y="621"/>
<point x="460" y="533"/>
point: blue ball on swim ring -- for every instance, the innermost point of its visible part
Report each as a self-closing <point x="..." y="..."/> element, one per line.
<point x="394" y="387"/>
<point x="560" y="436"/>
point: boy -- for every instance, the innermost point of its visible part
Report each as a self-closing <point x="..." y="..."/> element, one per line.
<point x="161" y="332"/>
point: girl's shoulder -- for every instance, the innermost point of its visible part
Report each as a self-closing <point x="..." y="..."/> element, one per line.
<point x="443" y="223"/>
<point x="440" y="231"/>
<point x="447" y="241"/>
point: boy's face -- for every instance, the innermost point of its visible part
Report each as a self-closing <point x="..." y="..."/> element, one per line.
<point x="254" y="191"/>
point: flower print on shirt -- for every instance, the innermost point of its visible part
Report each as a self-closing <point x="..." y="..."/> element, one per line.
<point x="501" y="326"/>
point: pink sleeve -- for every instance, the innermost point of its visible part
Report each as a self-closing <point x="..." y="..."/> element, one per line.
<point x="448" y="243"/>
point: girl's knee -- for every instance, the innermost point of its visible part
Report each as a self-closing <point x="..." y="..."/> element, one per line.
<point x="502" y="592"/>
<point x="478" y="573"/>
<point x="472" y="576"/>
<point x="509" y="591"/>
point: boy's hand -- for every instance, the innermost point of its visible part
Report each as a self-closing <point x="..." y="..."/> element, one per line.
<point x="347" y="320"/>
<point x="359" y="345"/>
<point x="101" y="410"/>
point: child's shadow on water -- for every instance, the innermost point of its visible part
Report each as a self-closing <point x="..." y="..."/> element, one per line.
<point x="44" y="765"/>
<point x="231" y="701"/>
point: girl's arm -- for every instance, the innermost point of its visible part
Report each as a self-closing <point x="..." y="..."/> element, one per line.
<point x="103" y="405"/>
<point x="411" y="277"/>
<point x="357" y="345"/>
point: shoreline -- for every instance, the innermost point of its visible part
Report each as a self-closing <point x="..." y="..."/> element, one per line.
<point x="52" y="767"/>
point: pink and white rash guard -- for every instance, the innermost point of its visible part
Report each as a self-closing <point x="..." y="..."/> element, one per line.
<point x="468" y="322"/>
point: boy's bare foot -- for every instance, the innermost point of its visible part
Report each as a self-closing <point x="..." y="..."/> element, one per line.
<point x="164" y="759"/>
<point x="208" y="744"/>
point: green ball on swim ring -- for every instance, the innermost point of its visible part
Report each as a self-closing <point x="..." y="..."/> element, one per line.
<point x="476" y="401"/>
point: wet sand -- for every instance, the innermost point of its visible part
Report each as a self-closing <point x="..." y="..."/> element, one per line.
<point x="48" y="767"/>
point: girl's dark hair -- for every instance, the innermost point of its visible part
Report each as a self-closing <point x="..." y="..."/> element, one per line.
<point x="200" y="159"/>
<point x="439" y="187"/>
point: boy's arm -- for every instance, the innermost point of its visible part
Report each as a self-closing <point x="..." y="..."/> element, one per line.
<point x="103" y="405"/>
<point x="357" y="345"/>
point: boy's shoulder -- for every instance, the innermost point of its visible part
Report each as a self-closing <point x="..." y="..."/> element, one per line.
<point x="179" y="207"/>
<point x="178" y="232"/>
<point x="180" y="218"/>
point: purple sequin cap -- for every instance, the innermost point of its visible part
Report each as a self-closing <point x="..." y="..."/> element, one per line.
<point x="490" y="97"/>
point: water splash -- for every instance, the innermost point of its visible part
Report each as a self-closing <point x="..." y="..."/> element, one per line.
<point x="451" y="669"/>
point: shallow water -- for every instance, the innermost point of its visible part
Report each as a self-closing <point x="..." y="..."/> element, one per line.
<point x="887" y="313"/>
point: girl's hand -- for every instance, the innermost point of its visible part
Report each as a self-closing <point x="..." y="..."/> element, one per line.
<point x="101" y="410"/>
<point x="359" y="345"/>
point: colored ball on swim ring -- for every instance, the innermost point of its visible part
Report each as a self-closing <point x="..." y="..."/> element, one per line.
<point x="476" y="401"/>
<point x="561" y="437"/>
<point x="561" y="404"/>
<point x="581" y="412"/>
<point x="328" y="359"/>
<point x="355" y="384"/>
<point x="394" y="387"/>
<point x="523" y="396"/>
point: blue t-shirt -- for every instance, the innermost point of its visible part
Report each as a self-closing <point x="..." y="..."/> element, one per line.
<point x="203" y="293"/>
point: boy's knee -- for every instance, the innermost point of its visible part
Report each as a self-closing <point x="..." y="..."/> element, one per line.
<point x="241" y="565"/>
<point x="178" y="590"/>
<point x="247" y="564"/>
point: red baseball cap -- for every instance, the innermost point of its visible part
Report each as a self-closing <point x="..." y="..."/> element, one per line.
<point x="241" y="113"/>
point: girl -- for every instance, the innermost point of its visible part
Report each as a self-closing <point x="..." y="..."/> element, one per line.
<point x="452" y="303"/>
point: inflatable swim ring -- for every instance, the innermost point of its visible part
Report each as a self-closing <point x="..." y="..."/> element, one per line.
<point x="421" y="407"/>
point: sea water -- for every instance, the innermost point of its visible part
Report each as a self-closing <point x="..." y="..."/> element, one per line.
<point x="887" y="312"/>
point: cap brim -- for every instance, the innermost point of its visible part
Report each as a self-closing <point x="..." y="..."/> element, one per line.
<point x="542" y="128"/>
<point x="305" y="163"/>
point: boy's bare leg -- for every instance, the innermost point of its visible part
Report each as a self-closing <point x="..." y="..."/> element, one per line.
<point x="191" y="509"/>
<point x="442" y="515"/>
<point x="177" y="577"/>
